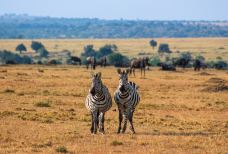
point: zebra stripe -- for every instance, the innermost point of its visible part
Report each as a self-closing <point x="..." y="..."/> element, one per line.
<point x="98" y="101"/>
<point x="127" y="98"/>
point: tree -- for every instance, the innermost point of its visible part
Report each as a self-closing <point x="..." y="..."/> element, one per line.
<point x="153" y="43"/>
<point x="36" y="45"/>
<point x="8" y="57"/>
<point x="106" y="50"/>
<point x="88" y="51"/>
<point x="164" y="48"/>
<point x="118" y="60"/>
<point x="183" y="60"/>
<point x="43" y="52"/>
<point x="21" y="47"/>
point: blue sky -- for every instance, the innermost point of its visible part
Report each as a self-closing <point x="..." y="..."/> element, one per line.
<point x="116" y="9"/>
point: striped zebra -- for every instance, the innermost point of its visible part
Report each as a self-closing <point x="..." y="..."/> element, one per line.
<point x="127" y="98"/>
<point x="98" y="102"/>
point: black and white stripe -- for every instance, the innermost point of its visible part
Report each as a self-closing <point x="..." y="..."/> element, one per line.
<point x="98" y="102"/>
<point x="127" y="98"/>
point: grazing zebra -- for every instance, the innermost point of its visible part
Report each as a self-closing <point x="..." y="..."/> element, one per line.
<point x="127" y="98"/>
<point x="98" y="102"/>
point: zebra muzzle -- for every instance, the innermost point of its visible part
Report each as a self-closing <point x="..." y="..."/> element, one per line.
<point x="92" y="91"/>
<point x="122" y="89"/>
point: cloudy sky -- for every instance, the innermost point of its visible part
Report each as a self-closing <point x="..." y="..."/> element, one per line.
<point x="117" y="9"/>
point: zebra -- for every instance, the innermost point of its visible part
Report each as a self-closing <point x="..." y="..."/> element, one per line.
<point x="127" y="98"/>
<point x="141" y="63"/>
<point x="98" y="102"/>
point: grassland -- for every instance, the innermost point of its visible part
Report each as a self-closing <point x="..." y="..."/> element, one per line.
<point x="42" y="111"/>
<point x="208" y="47"/>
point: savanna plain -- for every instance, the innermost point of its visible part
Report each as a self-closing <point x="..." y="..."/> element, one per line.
<point x="42" y="109"/>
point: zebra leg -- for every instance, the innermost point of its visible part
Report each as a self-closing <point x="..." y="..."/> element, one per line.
<point x="133" y="72"/>
<point x="120" y="121"/>
<point x="130" y="117"/>
<point x="125" y="121"/>
<point x="101" y="120"/>
<point x="95" y="122"/>
<point x="92" y="126"/>
<point x="97" y="119"/>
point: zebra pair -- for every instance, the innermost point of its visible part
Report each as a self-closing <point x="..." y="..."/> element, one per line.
<point x="99" y="101"/>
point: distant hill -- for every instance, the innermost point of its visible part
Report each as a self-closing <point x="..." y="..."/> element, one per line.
<point x="29" y="27"/>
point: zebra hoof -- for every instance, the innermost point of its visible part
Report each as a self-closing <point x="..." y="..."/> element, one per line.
<point x="123" y="132"/>
<point x="102" y="131"/>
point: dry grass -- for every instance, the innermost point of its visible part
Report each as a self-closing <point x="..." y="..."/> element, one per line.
<point x="208" y="47"/>
<point x="176" y="114"/>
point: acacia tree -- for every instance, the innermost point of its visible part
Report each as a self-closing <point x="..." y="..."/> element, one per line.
<point x="21" y="47"/>
<point x="153" y="43"/>
<point x="36" y="45"/>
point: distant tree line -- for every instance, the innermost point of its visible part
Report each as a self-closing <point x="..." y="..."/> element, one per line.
<point x="163" y="58"/>
<point x="22" y="26"/>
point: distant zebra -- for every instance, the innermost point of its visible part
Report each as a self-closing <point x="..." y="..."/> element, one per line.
<point x="91" y="61"/>
<point x="127" y="98"/>
<point x="98" y="102"/>
<point x="140" y="63"/>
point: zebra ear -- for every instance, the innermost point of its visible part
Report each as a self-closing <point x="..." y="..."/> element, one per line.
<point x="119" y="71"/>
<point x="99" y="74"/>
<point x="127" y="71"/>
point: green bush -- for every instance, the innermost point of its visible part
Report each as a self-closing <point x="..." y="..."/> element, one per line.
<point x="155" y="61"/>
<point x="61" y="149"/>
<point x="118" y="60"/>
<point x="221" y="64"/>
<point x="164" y="48"/>
<point x="8" y="57"/>
<point x="43" y="52"/>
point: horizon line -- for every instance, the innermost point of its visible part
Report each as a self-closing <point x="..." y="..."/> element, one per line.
<point x="62" y="17"/>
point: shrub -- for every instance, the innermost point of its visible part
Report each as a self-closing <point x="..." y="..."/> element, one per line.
<point x="210" y="64"/>
<point x="220" y="64"/>
<point x="200" y="57"/>
<point x="43" y="104"/>
<point x="118" y="60"/>
<point x="183" y="60"/>
<point x="61" y="149"/>
<point x="8" y="57"/>
<point x="116" y="143"/>
<point x="168" y="66"/>
<point x="164" y="48"/>
<point x="54" y="62"/>
<point x="155" y="61"/>
<point x="43" y="52"/>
